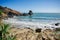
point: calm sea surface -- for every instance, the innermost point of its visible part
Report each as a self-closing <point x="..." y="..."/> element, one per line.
<point x="40" y="16"/>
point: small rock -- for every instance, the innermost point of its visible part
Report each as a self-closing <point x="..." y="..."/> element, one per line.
<point x="38" y="30"/>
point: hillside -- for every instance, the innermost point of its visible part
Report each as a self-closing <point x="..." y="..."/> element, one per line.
<point x="10" y="12"/>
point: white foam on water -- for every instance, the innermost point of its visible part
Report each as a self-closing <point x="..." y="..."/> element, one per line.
<point x="32" y="25"/>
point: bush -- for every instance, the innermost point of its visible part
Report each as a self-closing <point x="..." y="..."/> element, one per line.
<point x="4" y="32"/>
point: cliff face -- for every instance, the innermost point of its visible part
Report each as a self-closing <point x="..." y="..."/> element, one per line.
<point x="9" y="11"/>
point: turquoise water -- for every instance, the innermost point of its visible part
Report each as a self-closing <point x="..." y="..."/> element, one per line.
<point x="37" y="20"/>
<point x="40" y="16"/>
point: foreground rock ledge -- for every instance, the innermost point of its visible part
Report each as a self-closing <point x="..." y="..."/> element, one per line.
<point x="30" y="34"/>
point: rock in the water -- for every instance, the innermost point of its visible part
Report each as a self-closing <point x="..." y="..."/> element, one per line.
<point x="30" y="12"/>
<point x="57" y="24"/>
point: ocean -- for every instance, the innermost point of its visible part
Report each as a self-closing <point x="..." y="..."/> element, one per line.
<point x="37" y="17"/>
<point x="37" y="20"/>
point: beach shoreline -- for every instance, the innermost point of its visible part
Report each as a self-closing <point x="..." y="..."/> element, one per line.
<point x="32" y="31"/>
<point x="35" y="25"/>
<point x="31" y="34"/>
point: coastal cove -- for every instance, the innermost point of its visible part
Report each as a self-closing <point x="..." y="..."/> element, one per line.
<point x="29" y="19"/>
<point x="37" y="20"/>
<point x="34" y="28"/>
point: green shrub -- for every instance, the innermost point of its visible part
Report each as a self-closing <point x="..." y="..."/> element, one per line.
<point x="4" y="29"/>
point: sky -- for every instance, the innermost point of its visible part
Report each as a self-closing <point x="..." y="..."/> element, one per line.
<point x="42" y="6"/>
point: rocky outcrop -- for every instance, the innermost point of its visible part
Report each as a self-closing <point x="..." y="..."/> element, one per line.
<point x="30" y="12"/>
<point x="10" y="12"/>
<point x="30" y="34"/>
<point x="48" y="34"/>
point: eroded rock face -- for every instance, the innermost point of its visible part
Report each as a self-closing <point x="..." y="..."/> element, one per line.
<point x="23" y="34"/>
<point x="48" y="34"/>
<point x="30" y="34"/>
<point x="8" y="10"/>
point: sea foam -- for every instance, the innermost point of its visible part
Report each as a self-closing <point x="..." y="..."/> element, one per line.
<point x="43" y="24"/>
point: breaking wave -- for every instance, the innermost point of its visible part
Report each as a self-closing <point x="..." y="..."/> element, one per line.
<point x="41" y="24"/>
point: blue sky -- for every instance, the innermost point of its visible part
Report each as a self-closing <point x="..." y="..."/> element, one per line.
<point x="43" y="6"/>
